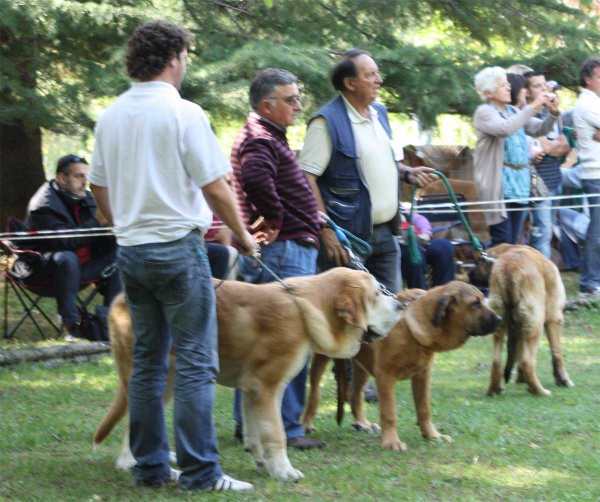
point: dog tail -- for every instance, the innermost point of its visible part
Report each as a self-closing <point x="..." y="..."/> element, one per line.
<point x="117" y="411"/>
<point x="512" y="327"/>
<point x="340" y="368"/>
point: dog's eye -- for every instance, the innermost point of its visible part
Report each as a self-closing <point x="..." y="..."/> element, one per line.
<point x="476" y="304"/>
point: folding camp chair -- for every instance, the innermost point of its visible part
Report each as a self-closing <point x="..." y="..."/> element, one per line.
<point x="29" y="296"/>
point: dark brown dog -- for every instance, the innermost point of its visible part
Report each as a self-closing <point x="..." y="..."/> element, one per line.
<point x="527" y="291"/>
<point x="441" y="319"/>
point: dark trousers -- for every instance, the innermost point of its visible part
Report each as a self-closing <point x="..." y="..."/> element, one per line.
<point x="510" y="229"/>
<point x="439" y="255"/>
<point x="64" y="274"/>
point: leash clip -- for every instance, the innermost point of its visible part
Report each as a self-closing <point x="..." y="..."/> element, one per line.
<point x="483" y="256"/>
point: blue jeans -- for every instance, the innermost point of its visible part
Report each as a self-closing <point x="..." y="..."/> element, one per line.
<point x="510" y="229"/>
<point x="590" y="272"/>
<point x="285" y="259"/>
<point x="544" y="218"/>
<point x="439" y="254"/>
<point x="169" y="290"/>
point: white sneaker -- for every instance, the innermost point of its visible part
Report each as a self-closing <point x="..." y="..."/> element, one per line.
<point x="174" y="476"/>
<point x="228" y="483"/>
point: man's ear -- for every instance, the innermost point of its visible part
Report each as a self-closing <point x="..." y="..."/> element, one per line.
<point x="348" y="83"/>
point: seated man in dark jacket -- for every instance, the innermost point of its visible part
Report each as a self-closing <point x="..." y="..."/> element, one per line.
<point x="61" y="204"/>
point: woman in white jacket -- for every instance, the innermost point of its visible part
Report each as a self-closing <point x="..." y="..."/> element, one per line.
<point x="502" y="154"/>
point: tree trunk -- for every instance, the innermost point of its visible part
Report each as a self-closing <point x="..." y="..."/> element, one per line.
<point x="21" y="169"/>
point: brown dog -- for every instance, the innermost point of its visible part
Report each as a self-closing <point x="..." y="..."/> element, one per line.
<point x="526" y="289"/>
<point x="265" y="335"/>
<point x="439" y="320"/>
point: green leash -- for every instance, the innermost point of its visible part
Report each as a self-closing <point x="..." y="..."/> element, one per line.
<point x="413" y="247"/>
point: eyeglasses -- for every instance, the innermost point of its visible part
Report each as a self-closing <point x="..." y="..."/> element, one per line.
<point x="289" y="100"/>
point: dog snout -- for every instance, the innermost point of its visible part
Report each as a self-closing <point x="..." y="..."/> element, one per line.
<point x="489" y="324"/>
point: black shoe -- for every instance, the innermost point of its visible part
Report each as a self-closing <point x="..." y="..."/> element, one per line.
<point x="371" y="394"/>
<point x="304" y="443"/>
<point x="238" y="435"/>
<point x="74" y="334"/>
<point x="586" y="292"/>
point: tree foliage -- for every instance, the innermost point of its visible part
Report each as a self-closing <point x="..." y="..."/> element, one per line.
<point x="58" y="55"/>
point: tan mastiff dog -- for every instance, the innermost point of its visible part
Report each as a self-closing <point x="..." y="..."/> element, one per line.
<point x="265" y="335"/>
<point x="438" y="320"/>
<point x="526" y="289"/>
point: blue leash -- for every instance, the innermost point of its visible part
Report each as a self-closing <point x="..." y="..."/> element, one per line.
<point x="352" y="243"/>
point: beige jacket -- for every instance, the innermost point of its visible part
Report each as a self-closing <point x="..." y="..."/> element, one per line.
<point x="491" y="129"/>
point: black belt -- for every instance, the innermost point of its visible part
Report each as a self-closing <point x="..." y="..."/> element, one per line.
<point x="307" y="242"/>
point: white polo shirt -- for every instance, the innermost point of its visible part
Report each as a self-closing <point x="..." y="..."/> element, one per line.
<point x="377" y="157"/>
<point x="154" y="151"/>
<point x="586" y="119"/>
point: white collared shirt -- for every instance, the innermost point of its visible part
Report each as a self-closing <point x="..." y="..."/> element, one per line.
<point x="586" y="119"/>
<point x="155" y="151"/>
<point x="377" y="158"/>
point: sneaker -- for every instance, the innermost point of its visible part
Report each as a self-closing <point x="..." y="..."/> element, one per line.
<point x="74" y="333"/>
<point x="304" y="443"/>
<point x="172" y="478"/>
<point x="586" y="292"/>
<point x="228" y="483"/>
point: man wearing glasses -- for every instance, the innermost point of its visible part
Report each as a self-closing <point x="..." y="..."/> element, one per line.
<point x="279" y="206"/>
<point x="64" y="203"/>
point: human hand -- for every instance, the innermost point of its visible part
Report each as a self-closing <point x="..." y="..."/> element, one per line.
<point x="422" y="176"/>
<point x="571" y="159"/>
<point x="596" y="136"/>
<point x="553" y="103"/>
<point x="538" y="156"/>
<point x="540" y="102"/>
<point x="263" y="233"/>
<point x="336" y="253"/>
<point x="245" y="241"/>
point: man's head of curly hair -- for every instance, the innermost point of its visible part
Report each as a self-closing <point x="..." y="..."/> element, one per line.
<point x="151" y="47"/>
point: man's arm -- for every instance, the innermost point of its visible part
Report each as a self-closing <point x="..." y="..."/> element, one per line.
<point x="103" y="202"/>
<point x="335" y="251"/>
<point x="420" y="176"/>
<point x="558" y="147"/>
<point x="221" y="201"/>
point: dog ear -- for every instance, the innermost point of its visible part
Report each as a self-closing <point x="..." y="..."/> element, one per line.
<point x="441" y="309"/>
<point x="350" y="306"/>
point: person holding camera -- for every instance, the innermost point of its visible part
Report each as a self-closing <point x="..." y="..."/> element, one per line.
<point x="502" y="154"/>
<point x="547" y="160"/>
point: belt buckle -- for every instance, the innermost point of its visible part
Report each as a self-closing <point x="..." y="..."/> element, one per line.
<point x="307" y="241"/>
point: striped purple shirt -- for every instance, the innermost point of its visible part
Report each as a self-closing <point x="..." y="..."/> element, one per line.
<point x="268" y="181"/>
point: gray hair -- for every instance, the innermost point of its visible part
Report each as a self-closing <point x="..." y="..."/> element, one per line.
<point x="265" y="82"/>
<point x="518" y="69"/>
<point x="487" y="80"/>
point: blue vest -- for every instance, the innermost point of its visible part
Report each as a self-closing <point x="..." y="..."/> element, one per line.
<point x="343" y="186"/>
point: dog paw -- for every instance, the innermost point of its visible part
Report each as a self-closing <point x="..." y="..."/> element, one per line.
<point x="369" y="427"/>
<point x="286" y="474"/>
<point x="126" y="462"/>
<point x="564" y="382"/>
<point x="309" y="428"/>
<point x="439" y="437"/>
<point x="540" y="392"/>
<point x="496" y="390"/>
<point x="395" y="445"/>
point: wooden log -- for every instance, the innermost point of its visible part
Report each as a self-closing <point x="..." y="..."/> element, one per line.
<point x="9" y="357"/>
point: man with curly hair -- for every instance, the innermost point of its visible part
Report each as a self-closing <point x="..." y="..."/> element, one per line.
<point x="157" y="171"/>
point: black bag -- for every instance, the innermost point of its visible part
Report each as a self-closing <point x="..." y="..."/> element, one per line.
<point x="95" y="327"/>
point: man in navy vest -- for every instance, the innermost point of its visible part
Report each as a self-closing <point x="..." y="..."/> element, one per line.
<point x="353" y="166"/>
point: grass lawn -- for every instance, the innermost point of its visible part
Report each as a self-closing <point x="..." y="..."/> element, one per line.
<point x="510" y="447"/>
